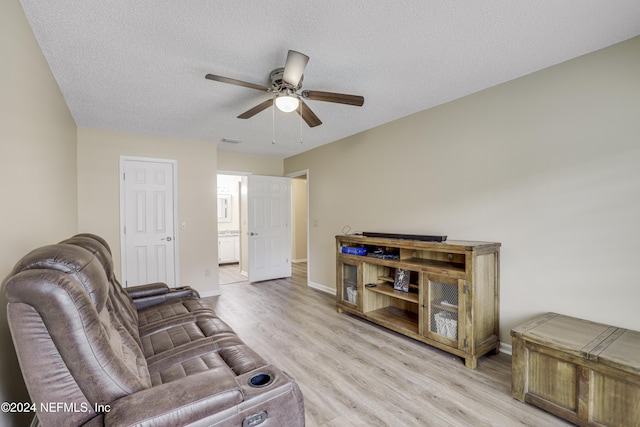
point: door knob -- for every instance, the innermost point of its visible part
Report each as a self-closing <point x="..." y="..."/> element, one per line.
<point x="168" y="239"/>
<point x="253" y="234"/>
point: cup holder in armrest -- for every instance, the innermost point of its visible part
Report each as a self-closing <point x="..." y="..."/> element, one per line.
<point x="260" y="380"/>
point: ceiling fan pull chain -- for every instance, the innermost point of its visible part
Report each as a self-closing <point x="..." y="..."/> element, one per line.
<point x="273" y="125"/>
<point x="300" y="107"/>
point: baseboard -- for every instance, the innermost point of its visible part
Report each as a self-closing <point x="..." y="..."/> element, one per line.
<point x="505" y="348"/>
<point x="322" y="288"/>
<point x="244" y="273"/>
<point x="206" y="294"/>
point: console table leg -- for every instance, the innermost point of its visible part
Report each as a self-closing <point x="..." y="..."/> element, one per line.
<point x="471" y="362"/>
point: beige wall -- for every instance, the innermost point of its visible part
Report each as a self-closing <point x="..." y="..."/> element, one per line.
<point x="99" y="154"/>
<point x="256" y="165"/>
<point x="548" y="165"/>
<point x="37" y="171"/>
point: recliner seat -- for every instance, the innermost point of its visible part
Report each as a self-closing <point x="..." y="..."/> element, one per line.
<point x="82" y="339"/>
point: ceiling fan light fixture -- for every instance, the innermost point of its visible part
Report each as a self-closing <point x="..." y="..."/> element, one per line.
<point x="285" y="83"/>
<point x="287" y="103"/>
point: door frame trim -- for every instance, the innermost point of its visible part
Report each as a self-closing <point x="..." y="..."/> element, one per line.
<point x="123" y="258"/>
<point x="294" y="174"/>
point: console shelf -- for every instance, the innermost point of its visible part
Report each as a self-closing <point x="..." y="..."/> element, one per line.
<point x="386" y="289"/>
<point x="395" y="318"/>
<point x="453" y="298"/>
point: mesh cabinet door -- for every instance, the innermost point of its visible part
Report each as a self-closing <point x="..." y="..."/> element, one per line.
<point x="443" y="306"/>
<point x="349" y="280"/>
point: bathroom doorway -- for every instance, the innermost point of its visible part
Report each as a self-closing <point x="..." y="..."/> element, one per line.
<point x="232" y="257"/>
<point x="229" y="230"/>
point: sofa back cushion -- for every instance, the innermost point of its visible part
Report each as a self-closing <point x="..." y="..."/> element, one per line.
<point x="71" y="347"/>
<point x="120" y="300"/>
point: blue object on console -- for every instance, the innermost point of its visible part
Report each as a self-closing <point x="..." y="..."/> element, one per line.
<point x="354" y="251"/>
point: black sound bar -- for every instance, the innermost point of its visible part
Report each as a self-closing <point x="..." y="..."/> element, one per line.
<point x="422" y="238"/>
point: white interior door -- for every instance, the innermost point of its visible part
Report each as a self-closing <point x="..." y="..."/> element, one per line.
<point x="269" y="227"/>
<point x="148" y="222"/>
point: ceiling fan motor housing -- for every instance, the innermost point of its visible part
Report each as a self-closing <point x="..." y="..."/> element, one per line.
<point x="279" y="85"/>
<point x="285" y="83"/>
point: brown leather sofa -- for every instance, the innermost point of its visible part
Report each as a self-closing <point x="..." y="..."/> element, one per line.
<point x="93" y="353"/>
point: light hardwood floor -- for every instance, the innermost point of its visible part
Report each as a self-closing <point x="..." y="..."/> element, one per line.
<point x="354" y="373"/>
<point x="230" y="273"/>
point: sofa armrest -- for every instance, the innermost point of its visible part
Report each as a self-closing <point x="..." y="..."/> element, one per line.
<point x="148" y="290"/>
<point x="179" y="402"/>
<point x="151" y="294"/>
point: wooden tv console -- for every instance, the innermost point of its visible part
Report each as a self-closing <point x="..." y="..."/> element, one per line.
<point x="452" y="301"/>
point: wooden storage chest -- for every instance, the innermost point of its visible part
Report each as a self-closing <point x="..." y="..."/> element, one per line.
<point x="585" y="372"/>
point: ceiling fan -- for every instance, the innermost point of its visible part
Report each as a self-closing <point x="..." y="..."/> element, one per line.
<point x="285" y="84"/>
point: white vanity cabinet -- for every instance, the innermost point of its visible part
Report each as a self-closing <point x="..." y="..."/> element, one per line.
<point x="228" y="248"/>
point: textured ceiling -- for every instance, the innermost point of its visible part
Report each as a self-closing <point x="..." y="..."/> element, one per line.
<point x="139" y="66"/>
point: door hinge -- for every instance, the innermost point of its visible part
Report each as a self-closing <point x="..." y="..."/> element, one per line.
<point x="464" y="343"/>
<point x="124" y="176"/>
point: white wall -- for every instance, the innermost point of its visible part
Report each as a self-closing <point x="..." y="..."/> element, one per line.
<point x="548" y="165"/>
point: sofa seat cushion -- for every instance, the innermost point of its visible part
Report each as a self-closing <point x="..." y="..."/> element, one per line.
<point x="201" y="357"/>
<point x="195" y="365"/>
<point x="188" y="351"/>
<point x="206" y="328"/>
<point x="208" y="322"/>
<point x="171" y="310"/>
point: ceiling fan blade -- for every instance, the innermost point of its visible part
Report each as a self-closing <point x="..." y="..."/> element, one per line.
<point x="235" y="82"/>
<point x="308" y="115"/>
<point x="340" y="98"/>
<point x="294" y="67"/>
<point x="255" y="110"/>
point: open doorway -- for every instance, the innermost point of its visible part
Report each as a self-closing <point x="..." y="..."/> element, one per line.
<point x="229" y="229"/>
<point x="300" y="222"/>
<point x="232" y="223"/>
